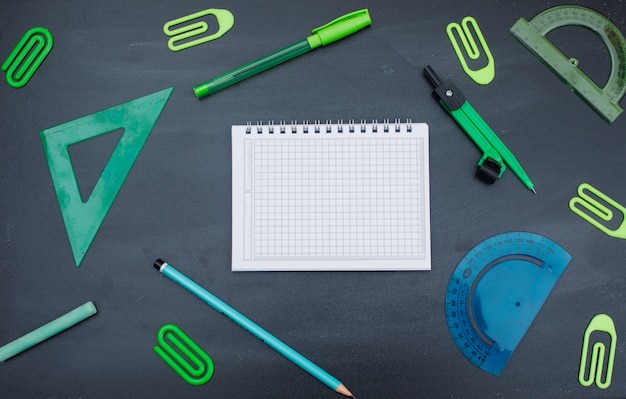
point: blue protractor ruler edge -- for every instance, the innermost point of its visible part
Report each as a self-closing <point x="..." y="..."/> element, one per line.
<point x="496" y="291"/>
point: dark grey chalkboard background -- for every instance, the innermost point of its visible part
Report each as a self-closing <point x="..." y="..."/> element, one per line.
<point x="382" y="333"/>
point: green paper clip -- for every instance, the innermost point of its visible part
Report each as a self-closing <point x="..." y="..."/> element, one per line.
<point x="196" y="367"/>
<point x="598" y="209"/>
<point x="225" y="21"/>
<point x="485" y="74"/>
<point x="27" y="56"/>
<point x="83" y="218"/>
<point x="602" y="323"/>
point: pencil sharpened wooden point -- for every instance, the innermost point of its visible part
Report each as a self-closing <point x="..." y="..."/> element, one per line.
<point x="344" y="391"/>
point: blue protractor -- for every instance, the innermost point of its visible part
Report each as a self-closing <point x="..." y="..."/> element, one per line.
<point x="496" y="291"/>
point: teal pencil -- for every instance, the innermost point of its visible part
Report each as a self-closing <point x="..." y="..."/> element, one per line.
<point x="253" y="328"/>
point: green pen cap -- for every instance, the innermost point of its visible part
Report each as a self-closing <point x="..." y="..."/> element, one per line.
<point x="339" y="28"/>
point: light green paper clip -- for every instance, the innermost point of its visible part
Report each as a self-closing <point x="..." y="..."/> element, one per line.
<point x="602" y="323"/>
<point x="481" y="76"/>
<point x="598" y="209"/>
<point x="183" y="355"/>
<point x="225" y="21"/>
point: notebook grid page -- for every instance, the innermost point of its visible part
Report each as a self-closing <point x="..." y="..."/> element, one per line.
<point x="337" y="198"/>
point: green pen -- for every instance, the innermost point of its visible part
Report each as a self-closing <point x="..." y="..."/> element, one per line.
<point x="329" y="33"/>
<point x="496" y="156"/>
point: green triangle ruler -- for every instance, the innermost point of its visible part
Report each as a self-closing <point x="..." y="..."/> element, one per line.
<point x="84" y="218"/>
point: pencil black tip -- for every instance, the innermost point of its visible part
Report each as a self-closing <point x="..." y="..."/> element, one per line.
<point x="158" y="264"/>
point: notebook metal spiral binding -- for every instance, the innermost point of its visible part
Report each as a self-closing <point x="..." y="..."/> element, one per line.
<point x="318" y="127"/>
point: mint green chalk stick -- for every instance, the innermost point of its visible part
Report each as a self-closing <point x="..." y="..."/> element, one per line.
<point x="48" y="330"/>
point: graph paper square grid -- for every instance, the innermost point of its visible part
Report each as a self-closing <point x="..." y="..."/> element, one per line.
<point x="328" y="198"/>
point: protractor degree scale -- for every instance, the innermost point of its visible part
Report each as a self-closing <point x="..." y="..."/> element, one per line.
<point x="496" y="291"/>
<point x="532" y="34"/>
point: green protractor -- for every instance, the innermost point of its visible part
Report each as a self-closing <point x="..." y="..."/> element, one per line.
<point x="496" y="291"/>
<point x="604" y="100"/>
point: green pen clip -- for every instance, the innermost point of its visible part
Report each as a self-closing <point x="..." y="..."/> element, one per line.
<point x="339" y="28"/>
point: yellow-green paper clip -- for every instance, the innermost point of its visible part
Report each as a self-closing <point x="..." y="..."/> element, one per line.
<point x="485" y="74"/>
<point x="598" y="209"/>
<point x="183" y="355"/>
<point x="225" y="21"/>
<point x="602" y="323"/>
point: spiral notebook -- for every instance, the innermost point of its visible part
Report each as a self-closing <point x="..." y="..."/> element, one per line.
<point x="330" y="196"/>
